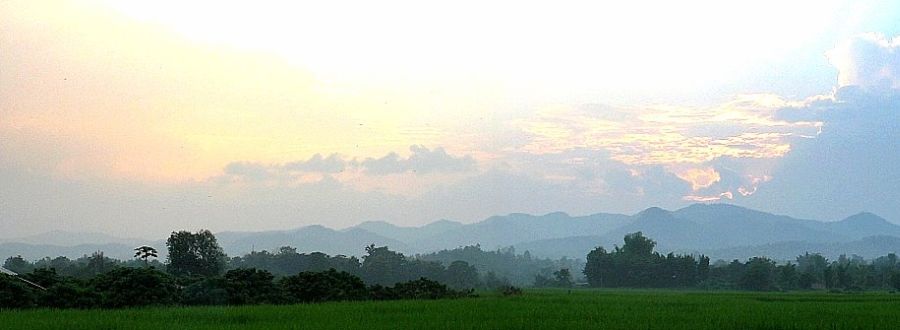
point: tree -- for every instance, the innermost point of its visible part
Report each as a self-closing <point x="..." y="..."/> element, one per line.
<point x="383" y="266"/>
<point x="460" y="275"/>
<point x="759" y="275"/>
<point x="638" y="245"/>
<point x="787" y="276"/>
<point x="195" y="254"/>
<point x="635" y="264"/>
<point x="98" y="263"/>
<point x="492" y="281"/>
<point x="842" y="276"/>
<point x="145" y="252"/>
<point x="806" y="281"/>
<point x="250" y="286"/>
<point x="815" y="266"/>
<point x="44" y="277"/>
<point x="14" y="293"/>
<point x="597" y="266"/>
<point x="563" y="278"/>
<point x="895" y="280"/>
<point x="18" y="264"/>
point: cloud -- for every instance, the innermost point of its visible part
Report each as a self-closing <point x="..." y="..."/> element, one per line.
<point x="331" y="200"/>
<point x="602" y="183"/>
<point x="868" y="60"/>
<point x="659" y="135"/>
<point x="331" y="164"/>
<point x="719" y="152"/>
<point x="850" y="166"/>
<point x="421" y="160"/>
<point x="700" y="178"/>
<point x="254" y="171"/>
<point x="713" y="198"/>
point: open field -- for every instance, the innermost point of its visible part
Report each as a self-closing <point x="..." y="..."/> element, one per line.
<point x="534" y="309"/>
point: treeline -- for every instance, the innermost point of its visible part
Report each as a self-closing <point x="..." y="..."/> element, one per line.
<point x="195" y="274"/>
<point x="132" y="287"/>
<point x="379" y="266"/>
<point x="461" y="268"/>
<point x="507" y="267"/>
<point x="636" y="265"/>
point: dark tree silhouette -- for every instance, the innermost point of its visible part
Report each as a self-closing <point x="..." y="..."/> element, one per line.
<point x="759" y="275"/>
<point x="636" y="265"/>
<point x="144" y="253"/>
<point x="128" y="287"/>
<point x="329" y="285"/>
<point x="195" y="254"/>
<point x="383" y="266"/>
<point x="250" y="286"/>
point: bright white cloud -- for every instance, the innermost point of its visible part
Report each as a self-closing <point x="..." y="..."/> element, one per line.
<point x="868" y="60"/>
<point x="540" y="51"/>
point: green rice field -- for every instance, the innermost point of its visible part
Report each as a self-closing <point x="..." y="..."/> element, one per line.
<point x="538" y="309"/>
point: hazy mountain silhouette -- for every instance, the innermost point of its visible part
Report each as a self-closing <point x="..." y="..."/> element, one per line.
<point x="864" y="225"/>
<point x="731" y="230"/>
<point x="725" y="225"/>
<point x="719" y="230"/>
<point x="351" y="241"/>
<point x="408" y="234"/>
<point x="661" y="225"/>
<point x="576" y="247"/>
<point x="503" y="231"/>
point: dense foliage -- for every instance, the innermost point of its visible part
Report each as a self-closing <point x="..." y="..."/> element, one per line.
<point x="128" y="287"/>
<point x="635" y="264"/>
<point x="195" y="254"/>
<point x="194" y="276"/>
<point x="329" y="285"/>
<point x="504" y="266"/>
<point x="131" y="287"/>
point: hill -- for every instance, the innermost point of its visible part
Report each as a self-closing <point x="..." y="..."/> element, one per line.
<point x="351" y="241"/>
<point x="718" y="230"/>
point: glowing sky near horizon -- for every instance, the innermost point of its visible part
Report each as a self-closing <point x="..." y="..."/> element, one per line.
<point x="406" y="102"/>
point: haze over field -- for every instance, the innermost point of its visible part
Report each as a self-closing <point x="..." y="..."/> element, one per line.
<point x="133" y="119"/>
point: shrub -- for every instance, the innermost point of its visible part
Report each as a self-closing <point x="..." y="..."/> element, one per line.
<point x="14" y="293"/>
<point x="379" y="292"/>
<point x="895" y="280"/>
<point x="45" y="277"/>
<point x="129" y="287"/>
<point x="329" y="285"/>
<point x="251" y="286"/>
<point x="424" y="288"/>
<point x="205" y="292"/>
<point x="69" y="294"/>
<point x="510" y="290"/>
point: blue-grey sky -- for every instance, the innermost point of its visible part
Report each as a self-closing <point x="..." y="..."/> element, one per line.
<point x="269" y="115"/>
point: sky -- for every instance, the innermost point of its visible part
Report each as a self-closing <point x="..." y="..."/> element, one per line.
<point x="137" y="118"/>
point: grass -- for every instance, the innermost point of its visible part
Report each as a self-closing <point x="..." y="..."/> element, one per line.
<point x="634" y="309"/>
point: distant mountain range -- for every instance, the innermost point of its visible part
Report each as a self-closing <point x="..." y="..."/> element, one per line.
<point x="718" y="230"/>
